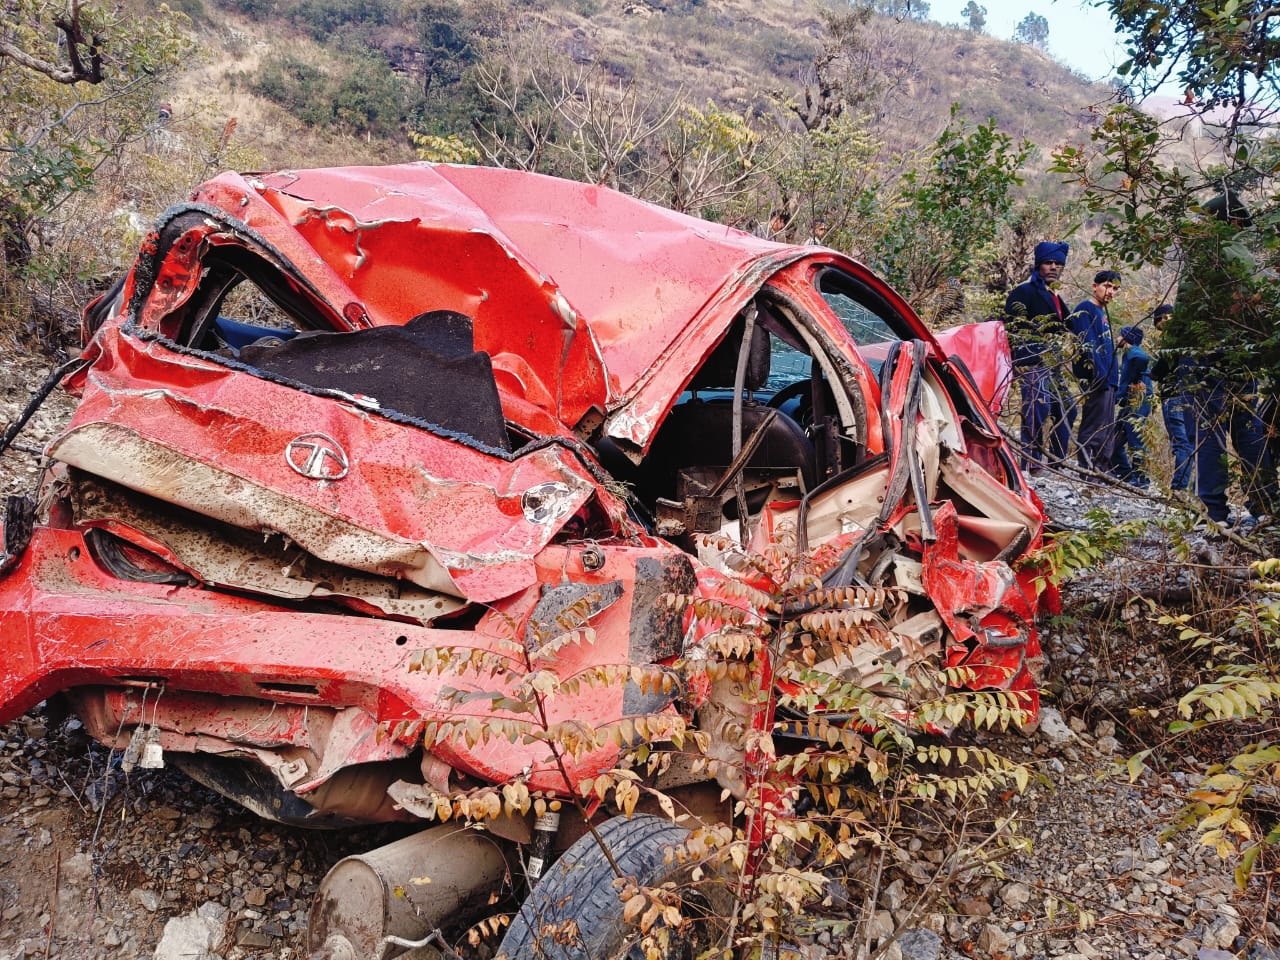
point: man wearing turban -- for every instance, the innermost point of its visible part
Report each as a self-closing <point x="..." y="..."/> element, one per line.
<point x="1034" y="314"/>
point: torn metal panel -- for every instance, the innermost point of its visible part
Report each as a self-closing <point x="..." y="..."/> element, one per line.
<point x="983" y="348"/>
<point x="84" y="629"/>
<point x="226" y="556"/>
<point x="388" y="225"/>
<point x="442" y="515"/>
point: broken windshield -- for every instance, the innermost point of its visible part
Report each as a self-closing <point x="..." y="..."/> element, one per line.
<point x="871" y="322"/>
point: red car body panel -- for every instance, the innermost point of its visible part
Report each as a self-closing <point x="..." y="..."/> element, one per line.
<point x="67" y="625"/>
<point x="536" y="261"/>
<point x="197" y="434"/>
<point x="985" y="347"/>
<point x="143" y="593"/>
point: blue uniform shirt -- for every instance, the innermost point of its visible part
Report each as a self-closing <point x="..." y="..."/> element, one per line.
<point x="1136" y="368"/>
<point x="1096" y="365"/>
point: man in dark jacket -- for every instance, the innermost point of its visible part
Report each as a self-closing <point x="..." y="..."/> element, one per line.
<point x="1033" y="315"/>
<point x="1095" y="367"/>
<point x="1134" y="407"/>
<point x="1223" y="313"/>
<point x="1175" y="379"/>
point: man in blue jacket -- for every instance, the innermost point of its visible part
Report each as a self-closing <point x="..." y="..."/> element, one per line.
<point x="1095" y="368"/>
<point x="1135" y="393"/>
<point x="1033" y="315"/>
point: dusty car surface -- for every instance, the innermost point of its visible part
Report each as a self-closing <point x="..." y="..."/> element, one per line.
<point x="332" y="420"/>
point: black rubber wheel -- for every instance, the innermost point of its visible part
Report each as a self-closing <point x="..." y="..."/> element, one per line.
<point x="579" y="887"/>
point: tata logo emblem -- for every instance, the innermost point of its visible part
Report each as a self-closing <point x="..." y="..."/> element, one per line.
<point x="317" y="456"/>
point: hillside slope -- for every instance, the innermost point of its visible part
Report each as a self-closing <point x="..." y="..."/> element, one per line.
<point x="751" y="58"/>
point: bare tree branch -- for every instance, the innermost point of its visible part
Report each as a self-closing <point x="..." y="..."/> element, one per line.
<point x="77" y="70"/>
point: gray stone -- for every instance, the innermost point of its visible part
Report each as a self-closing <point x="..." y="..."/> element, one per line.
<point x="1108" y="745"/>
<point x="879" y="926"/>
<point x="247" y="937"/>
<point x="973" y="907"/>
<point x="1208" y="953"/>
<point x="994" y="940"/>
<point x="149" y="900"/>
<point x="893" y="896"/>
<point x="213" y="911"/>
<point x="77" y="870"/>
<point x="1221" y="933"/>
<point x="188" y="938"/>
<point x="1015" y="895"/>
<point x="920" y="944"/>
<point x="1053" y="728"/>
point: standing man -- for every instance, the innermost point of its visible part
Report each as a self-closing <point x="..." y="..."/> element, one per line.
<point x="1033" y="314"/>
<point x="1174" y="376"/>
<point x="1134" y="407"/>
<point x="1095" y="368"/>
<point x="1222" y="314"/>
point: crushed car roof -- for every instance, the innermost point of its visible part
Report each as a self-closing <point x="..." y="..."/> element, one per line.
<point x="620" y="279"/>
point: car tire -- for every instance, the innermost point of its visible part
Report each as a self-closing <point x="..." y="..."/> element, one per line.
<point x="579" y="887"/>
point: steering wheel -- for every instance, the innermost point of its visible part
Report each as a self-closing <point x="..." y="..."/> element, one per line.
<point x="796" y="401"/>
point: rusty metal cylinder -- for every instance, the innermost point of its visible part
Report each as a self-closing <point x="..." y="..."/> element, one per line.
<point x="405" y="890"/>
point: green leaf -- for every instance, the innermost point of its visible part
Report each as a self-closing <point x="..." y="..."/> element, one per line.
<point x="1245" y="867"/>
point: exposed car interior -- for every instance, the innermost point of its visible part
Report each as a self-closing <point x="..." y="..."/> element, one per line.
<point x="428" y="370"/>
<point x="758" y="421"/>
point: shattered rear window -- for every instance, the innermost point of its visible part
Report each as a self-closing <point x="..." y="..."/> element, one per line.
<point x="246" y="309"/>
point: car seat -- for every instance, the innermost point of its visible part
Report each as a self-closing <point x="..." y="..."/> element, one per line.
<point x="696" y="439"/>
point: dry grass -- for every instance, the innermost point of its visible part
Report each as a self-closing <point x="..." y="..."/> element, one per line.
<point x="743" y="55"/>
<point x="267" y="137"/>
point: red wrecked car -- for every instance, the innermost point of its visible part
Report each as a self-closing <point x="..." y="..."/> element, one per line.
<point x="333" y="420"/>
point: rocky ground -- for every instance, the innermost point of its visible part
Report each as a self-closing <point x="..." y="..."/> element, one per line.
<point x="96" y="863"/>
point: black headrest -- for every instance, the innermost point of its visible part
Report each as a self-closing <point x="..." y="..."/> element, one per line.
<point x="720" y="367"/>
